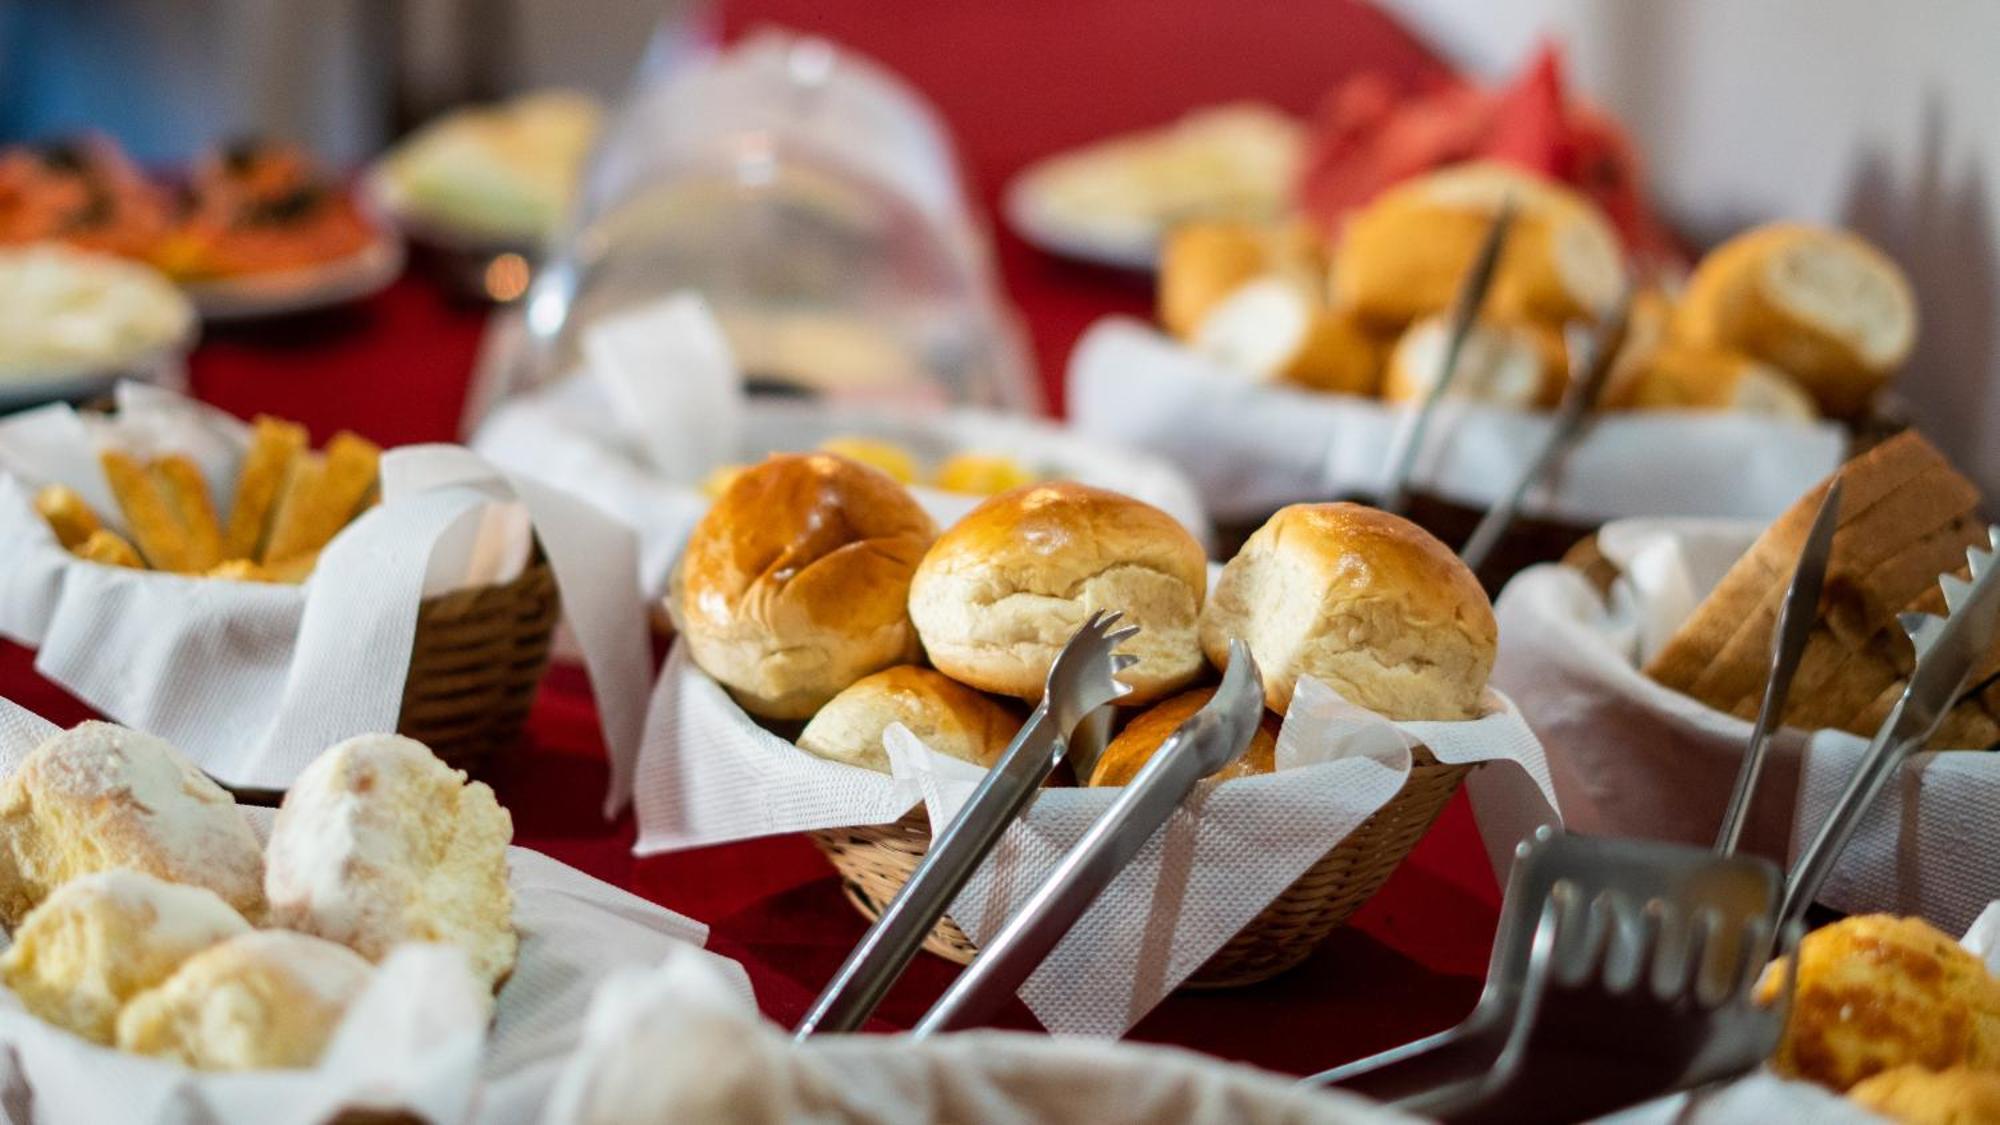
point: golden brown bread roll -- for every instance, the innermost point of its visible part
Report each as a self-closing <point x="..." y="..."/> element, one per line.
<point x="1678" y="376"/>
<point x="1507" y="363"/>
<point x="1406" y="254"/>
<point x="796" y="582"/>
<point x="1365" y="602"/>
<point x="1135" y="745"/>
<point x="1004" y="589"/>
<point x="947" y="716"/>
<point x="1823" y="306"/>
<point x="1877" y="992"/>
<point x="1914" y="1095"/>
<point x="1274" y="329"/>
<point x="1203" y="262"/>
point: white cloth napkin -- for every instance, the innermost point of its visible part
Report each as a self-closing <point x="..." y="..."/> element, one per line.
<point x="252" y="680"/>
<point x="1252" y="449"/>
<point x="418" y="1039"/>
<point x="708" y="773"/>
<point x="673" y="1044"/>
<point x="1632" y="758"/>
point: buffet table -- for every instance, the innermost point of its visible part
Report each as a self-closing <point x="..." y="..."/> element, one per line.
<point x="396" y="368"/>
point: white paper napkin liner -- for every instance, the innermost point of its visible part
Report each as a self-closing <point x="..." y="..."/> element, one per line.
<point x="676" y="384"/>
<point x="1254" y="448"/>
<point x="418" y="1038"/>
<point x="709" y="774"/>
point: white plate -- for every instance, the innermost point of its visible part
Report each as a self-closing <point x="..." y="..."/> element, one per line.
<point x="282" y="292"/>
<point x="1025" y="204"/>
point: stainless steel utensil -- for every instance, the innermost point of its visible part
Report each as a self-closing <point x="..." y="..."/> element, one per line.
<point x="1590" y="368"/>
<point x="1213" y="737"/>
<point x="1465" y="308"/>
<point x="1947" y="650"/>
<point x="1795" y="621"/>
<point x="1082" y="679"/>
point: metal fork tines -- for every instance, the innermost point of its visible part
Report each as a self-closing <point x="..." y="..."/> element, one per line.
<point x="1213" y="737"/>
<point x="1948" y="648"/>
<point x="1082" y="679"/>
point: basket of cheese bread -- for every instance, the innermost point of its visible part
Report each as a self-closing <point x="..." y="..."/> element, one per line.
<point x="836" y="647"/>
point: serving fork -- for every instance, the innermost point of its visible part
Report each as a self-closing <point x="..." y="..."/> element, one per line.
<point x="1082" y="679"/>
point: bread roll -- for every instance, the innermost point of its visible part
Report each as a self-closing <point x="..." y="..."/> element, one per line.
<point x="1365" y="602"/>
<point x="101" y="939"/>
<point x="1005" y="588"/>
<point x="1203" y="262"/>
<point x="1135" y="745"/>
<point x="1273" y="329"/>
<point x="1687" y="377"/>
<point x="378" y="843"/>
<point x="1407" y="253"/>
<point x="949" y="717"/>
<point x="796" y="582"/>
<point x="1877" y="992"/>
<point x="1916" y="1095"/>
<point x="265" y="999"/>
<point x="101" y="796"/>
<point x="1510" y="364"/>
<point x="1823" y="306"/>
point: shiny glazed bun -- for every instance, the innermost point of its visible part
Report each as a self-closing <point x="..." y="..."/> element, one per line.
<point x="1365" y="602"/>
<point x="947" y="716"/>
<point x="1002" y="591"/>
<point x="1135" y="745"/>
<point x="796" y="582"/>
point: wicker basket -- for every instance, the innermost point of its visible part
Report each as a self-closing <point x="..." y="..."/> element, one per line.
<point x="476" y="662"/>
<point x="875" y="861"/>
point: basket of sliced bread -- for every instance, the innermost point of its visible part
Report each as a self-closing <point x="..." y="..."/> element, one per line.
<point x="845" y="629"/>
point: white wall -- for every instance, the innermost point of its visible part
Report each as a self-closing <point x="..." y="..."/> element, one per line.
<point x="1881" y="115"/>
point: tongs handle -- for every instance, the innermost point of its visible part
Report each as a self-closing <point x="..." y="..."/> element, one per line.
<point x="1215" y="736"/>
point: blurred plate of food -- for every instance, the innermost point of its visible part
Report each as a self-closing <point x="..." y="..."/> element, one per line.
<point x="1111" y="202"/>
<point x="73" y="322"/>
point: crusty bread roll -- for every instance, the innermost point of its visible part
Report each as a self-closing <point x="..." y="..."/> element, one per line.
<point x="265" y="999"/>
<point x="1408" y="252"/>
<point x="1273" y="329"/>
<point x="378" y="843"/>
<point x="1876" y="992"/>
<point x="1823" y="306"/>
<point x="1917" y="1095"/>
<point x="101" y="796"/>
<point x="1678" y="376"/>
<point x="1203" y="262"/>
<point x="1006" y="587"/>
<point x="101" y="939"/>
<point x="947" y="716"/>
<point x="1365" y="602"/>
<point x="1135" y="745"/>
<point x="1507" y="363"/>
<point x="795" y="584"/>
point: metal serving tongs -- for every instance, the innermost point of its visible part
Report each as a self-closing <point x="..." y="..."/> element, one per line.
<point x="1082" y="679"/>
<point x="1948" y="648"/>
<point x="1465" y="308"/>
<point x="1213" y="737"/>
<point x="1590" y="369"/>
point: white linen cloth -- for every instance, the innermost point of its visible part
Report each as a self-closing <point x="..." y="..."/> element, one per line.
<point x="417" y="1039"/>
<point x="708" y="773"/>
<point x="1251" y="449"/>
<point x="251" y="680"/>
<point x="1632" y="758"/>
<point x="674" y="1044"/>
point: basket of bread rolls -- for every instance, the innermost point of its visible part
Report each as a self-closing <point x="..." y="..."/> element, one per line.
<point x="170" y="488"/>
<point x="830" y="608"/>
<point x="1642" y="663"/>
<point x="1292" y="357"/>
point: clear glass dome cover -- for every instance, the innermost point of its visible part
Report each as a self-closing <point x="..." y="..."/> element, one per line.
<point x="812" y="199"/>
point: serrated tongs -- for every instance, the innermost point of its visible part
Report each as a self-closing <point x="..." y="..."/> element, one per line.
<point x="1212" y="738"/>
<point x="1082" y="679"/>
<point x="1471" y="297"/>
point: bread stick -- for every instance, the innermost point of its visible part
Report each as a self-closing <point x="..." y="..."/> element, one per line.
<point x="67" y="514"/>
<point x="108" y="547"/>
<point x="328" y="491"/>
<point x="187" y="494"/>
<point x="275" y="447"/>
<point x="156" y="528"/>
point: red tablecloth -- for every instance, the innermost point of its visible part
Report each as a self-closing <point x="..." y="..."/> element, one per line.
<point x="1015" y="80"/>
